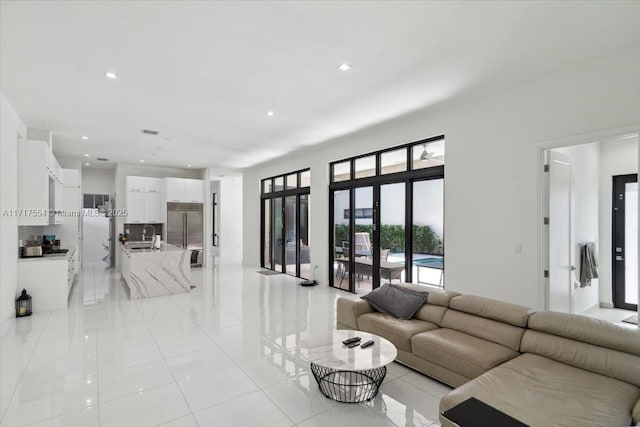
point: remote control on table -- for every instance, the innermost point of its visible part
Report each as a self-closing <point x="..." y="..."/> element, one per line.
<point x="353" y="344"/>
<point x="350" y="340"/>
<point x="367" y="344"/>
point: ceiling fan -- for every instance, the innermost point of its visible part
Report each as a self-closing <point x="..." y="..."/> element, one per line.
<point x="429" y="155"/>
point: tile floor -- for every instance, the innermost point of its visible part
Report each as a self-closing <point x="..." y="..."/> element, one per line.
<point x="222" y="355"/>
<point x="610" y="314"/>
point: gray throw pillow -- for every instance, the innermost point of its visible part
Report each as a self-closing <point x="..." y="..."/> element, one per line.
<point x="396" y="301"/>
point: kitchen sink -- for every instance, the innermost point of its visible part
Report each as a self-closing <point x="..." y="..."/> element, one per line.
<point x="138" y="245"/>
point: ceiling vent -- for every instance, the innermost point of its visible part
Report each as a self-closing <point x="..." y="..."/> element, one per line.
<point x="149" y="132"/>
<point x="102" y="159"/>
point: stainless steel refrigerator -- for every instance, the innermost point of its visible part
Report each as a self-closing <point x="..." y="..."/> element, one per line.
<point x="185" y="227"/>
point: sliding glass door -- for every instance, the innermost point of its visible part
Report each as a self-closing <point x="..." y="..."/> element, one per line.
<point x="285" y="241"/>
<point x="386" y="218"/>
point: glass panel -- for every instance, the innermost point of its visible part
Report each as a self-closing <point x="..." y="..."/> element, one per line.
<point x="292" y="181"/>
<point x="341" y="203"/>
<point x="277" y="233"/>
<point x="392" y="229"/>
<point x="342" y="171"/>
<point x="428" y="230"/>
<point x="291" y="235"/>
<point x="278" y="184"/>
<point x="365" y="166"/>
<point x="394" y="161"/>
<point x="266" y="185"/>
<point x="305" y="244"/>
<point x="305" y="179"/>
<point x="631" y="243"/>
<point x="428" y="155"/>
<point x="362" y="248"/>
<point x="266" y="263"/>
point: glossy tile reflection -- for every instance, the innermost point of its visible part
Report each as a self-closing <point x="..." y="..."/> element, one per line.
<point x="195" y="359"/>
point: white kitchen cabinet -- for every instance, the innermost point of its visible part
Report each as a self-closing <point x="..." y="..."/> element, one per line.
<point x="194" y="191"/>
<point x="47" y="280"/>
<point x="135" y="207"/>
<point x="153" y="185"/>
<point x="33" y="182"/>
<point x="135" y="183"/>
<point x="184" y="190"/>
<point x="152" y="208"/>
<point x="175" y="189"/>
<point x="144" y="199"/>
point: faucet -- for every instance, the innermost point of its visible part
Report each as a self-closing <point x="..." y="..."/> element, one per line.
<point x="144" y="230"/>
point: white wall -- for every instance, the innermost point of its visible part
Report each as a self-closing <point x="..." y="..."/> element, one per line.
<point x="585" y="165"/>
<point x="11" y="127"/>
<point x="98" y="181"/>
<point x="230" y="230"/>
<point x="618" y="157"/>
<point x="491" y="170"/>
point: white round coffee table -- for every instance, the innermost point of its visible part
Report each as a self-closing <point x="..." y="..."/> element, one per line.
<point x="349" y="374"/>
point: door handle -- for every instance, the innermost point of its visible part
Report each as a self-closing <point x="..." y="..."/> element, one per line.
<point x="573" y="268"/>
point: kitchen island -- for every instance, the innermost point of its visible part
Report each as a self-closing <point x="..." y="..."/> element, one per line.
<point x="155" y="272"/>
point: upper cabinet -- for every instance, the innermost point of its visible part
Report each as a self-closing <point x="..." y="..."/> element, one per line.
<point x="144" y="203"/>
<point x="184" y="190"/>
<point x="39" y="184"/>
<point x="135" y="183"/>
<point x="194" y="191"/>
<point x="144" y="184"/>
<point x="153" y="185"/>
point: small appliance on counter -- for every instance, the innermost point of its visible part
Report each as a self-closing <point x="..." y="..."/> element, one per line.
<point x="33" y="248"/>
<point x="47" y="242"/>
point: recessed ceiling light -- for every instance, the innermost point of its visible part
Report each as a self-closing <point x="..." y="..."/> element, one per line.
<point x="141" y="161"/>
<point x="87" y="164"/>
<point x="86" y="155"/>
<point x="110" y="75"/>
<point x="188" y="166"/>
<point x="344" y="67"/>
<point x="85" y="137"/>
<point x="270" y="113"/>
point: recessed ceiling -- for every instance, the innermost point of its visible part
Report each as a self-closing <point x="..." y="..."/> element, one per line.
<point x="203" y="74"/>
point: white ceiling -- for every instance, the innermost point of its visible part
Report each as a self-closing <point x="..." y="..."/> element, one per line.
<point x="205" y="73"/>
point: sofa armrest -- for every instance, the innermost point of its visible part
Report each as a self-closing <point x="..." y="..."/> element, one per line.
<point x="348" y="311"/>
<point x="635" y="413"/>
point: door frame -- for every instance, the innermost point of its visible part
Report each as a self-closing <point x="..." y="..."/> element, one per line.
<point x="282" y="196"/>
<point x="538" y="149"/>
<point x="618" y="225"/>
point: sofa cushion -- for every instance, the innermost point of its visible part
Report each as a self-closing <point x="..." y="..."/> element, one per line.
<point x="589" y="330"/>
<point x="542" y="392"/>
<point x="348" y="311"/>
<point x="396" y="301"/>
<point x="468" y="355"/>
<point x="486" y="329"/>
<point x="513" y="314"/>
<point x="398" y="331"/>
<point x="436" y="296"/>
<point x="601" y="360"/>
<point x="431" y="313"/>
<point x="636" y="413"/>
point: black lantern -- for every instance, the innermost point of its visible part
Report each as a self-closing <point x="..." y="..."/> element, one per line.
<point x="23" y="304"/>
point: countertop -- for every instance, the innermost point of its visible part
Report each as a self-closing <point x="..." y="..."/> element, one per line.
<point x="164" y="247"/>
<point x="52" y="257"/>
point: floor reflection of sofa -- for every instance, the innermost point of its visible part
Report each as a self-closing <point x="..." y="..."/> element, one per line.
<point x="290" y="254"/>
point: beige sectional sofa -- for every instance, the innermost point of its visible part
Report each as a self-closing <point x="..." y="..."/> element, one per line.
<point x="542" y="368"/>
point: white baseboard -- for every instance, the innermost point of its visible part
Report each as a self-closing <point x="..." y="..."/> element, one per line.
<point x="606" y="304"/>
